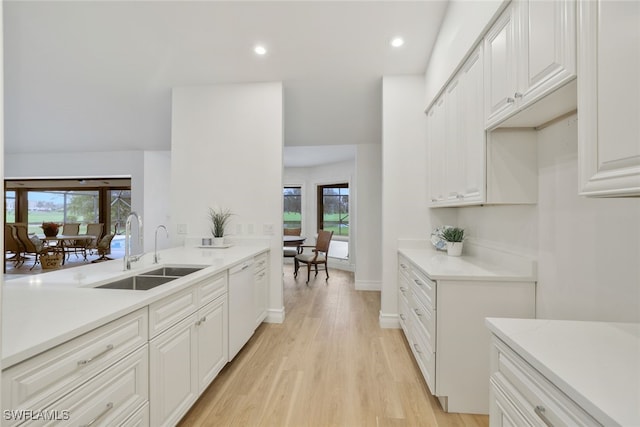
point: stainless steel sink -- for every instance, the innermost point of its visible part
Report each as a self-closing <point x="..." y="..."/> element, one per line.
<point x="172" y="271"/>
<point x="138" y="283"/>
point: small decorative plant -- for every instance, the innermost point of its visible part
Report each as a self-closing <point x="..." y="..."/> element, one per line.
<point x="453" y="234"/>
<point x="50" y="229"/>
<point x="219" y="219"/>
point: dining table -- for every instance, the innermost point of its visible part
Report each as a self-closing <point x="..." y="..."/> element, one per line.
<point x="65" y="242"/>
<point x="293" y="240"/>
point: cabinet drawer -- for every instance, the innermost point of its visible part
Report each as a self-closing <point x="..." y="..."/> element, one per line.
<point x="424" y="288"/>
<point x="425" y="356"/>
<point x="108" y="399"/>
<point x="170" y="310"/>
<point x="139" y="419"/>
<point x="37" y="382"/>
<point x="425" y="319"/>
<point x="404" y="268"/>
<point x="536" y="398"/>
<point x="260" y="263"/>
<point x="503" y="412"/>
<point x="405" y="315"/>
<point x="211" y="288"/>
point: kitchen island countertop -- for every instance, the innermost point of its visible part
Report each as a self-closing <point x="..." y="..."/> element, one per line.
<point x="44" y="310"/>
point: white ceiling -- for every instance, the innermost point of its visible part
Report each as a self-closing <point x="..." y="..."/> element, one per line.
<point x="95" y="76"/>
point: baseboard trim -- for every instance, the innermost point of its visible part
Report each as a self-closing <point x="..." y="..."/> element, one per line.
<point x="389" y="321"/>
<point x="275" y="316"/>
<point x="368" y="285"/>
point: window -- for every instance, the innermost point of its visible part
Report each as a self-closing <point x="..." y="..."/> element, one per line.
<point x="95" y="200"/>
<point x="292" y="207"/>
<point x="333" y="208"/>
<point x="10" y="206"/>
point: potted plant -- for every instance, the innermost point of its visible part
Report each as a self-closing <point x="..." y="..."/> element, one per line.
<point x="454" y="237"/>
<point x="50" y="229"/>
<point x="219" y="219"/>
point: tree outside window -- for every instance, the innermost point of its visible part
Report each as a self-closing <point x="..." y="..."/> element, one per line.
<point x="292" y="207"/>
<point x="333" y="208"/>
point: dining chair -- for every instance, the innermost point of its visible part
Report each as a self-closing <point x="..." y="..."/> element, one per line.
<point x="318" y="255"/>
<point x="84" y="245"/>
<point x="104" y="246"/>
<point x="12" y="246"/>
<point x="291" y="251"/>
<point x="32" y="245"/>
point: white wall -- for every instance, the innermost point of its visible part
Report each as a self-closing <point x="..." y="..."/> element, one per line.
<point x="368" y="217"/>
<point x="461" y="27"/>
<point x="226" y="151"/>
<point x="404" y="181"/>
<point x="157" y="182"/>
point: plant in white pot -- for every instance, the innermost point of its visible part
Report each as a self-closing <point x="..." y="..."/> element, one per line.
<point x="454" y="237"/>
<point x="219" y="219"/>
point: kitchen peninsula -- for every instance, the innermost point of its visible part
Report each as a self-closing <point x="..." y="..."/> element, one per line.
<point x="110" y="354"/>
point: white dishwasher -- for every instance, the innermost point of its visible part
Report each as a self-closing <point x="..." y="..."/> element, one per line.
<point x="241" y="306"/>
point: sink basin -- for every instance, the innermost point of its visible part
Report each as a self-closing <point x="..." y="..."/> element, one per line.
<point x="137" y="283"/>
<point x="172" y="271"/>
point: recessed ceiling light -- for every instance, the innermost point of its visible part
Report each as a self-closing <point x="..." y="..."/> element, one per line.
<point x="260" y="50"/>
<point x="397" y="42"/>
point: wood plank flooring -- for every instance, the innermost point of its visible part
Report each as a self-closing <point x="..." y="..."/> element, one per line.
<point x="328" y="364"/>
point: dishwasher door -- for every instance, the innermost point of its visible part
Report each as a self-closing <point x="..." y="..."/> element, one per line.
<point x="241" y="306"/>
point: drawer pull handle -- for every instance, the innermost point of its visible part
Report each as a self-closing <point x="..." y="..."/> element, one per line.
<point x="100" y="415"/>
<point x="102" y="353"/>
<point x="403" y="289"/>
<point x="540" y="411"/>
<point x="417" y="348"/>
<point x="201" y="321"/>
<point x="403" y="265"/>
<point x="418" y="282"/>
<point x="417" y="311"/>
<point x="402" y="316"/>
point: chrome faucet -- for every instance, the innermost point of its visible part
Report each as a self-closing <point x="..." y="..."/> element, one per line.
<point x="128" y="258"/>
<point x="155" y="243"/>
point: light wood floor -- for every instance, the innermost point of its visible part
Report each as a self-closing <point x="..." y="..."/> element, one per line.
<point x="328" y="364"/>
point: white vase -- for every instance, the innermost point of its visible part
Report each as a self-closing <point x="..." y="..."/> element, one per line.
<point x="454" y="248"/>
<point x="218" y="241"/>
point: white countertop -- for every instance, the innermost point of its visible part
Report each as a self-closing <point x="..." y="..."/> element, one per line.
<point x="44" y="310"/>
<point x="597" y="364"/>
<point x="440" y="266"/>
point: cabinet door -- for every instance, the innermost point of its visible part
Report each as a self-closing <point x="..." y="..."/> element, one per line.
<point x="548" y="44"/>
<point x="173" y="382"/>
<point x="609" y="98"/>
<point x="501" y="66"/>
<point x="435" y="149"/>
<point x="453" y="149"/>
<point x="261" y="292"/>
<point x="212" y="336"/>
<point x="502" y="413"/>
<point x="473" y="133"/>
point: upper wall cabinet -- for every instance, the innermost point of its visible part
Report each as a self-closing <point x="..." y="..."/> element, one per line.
<point x="609" y="98"/>
<point x="456" y="139"/>
<point x="529" y="53"/>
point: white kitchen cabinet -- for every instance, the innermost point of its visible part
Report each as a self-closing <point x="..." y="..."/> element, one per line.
<point x="212" y="337"/>
<point x="261" y="286"/>
<point x="436" y="152"/>
<point x="242" y="319"/>
<point x="530" y="52"/>
<point x="37" y="382"/>
<point x="456" y="139"/>
<point x="520" y="395"/>
<point x="609" y="98"/>
<point x="187" y="356"/>
<point x="107" y="400"/>
<point x="173" y="364"/>
<point x="446" y="331"/>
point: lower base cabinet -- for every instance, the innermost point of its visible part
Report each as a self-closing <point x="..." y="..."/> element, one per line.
<point x="443" y="321"/>
<point x="185" y="359"/>
<point x="521" y="396"/>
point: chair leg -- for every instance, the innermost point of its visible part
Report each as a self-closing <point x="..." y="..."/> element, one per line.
<point x="296" y="266"/>
<point x="326" y="269"/>
<point x="316" y="268"/>
<point x="308" y="273"/>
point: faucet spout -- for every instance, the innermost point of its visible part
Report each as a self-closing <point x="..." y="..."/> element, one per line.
<point x="128" y="257"/>
<point x="155" y="244"/>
